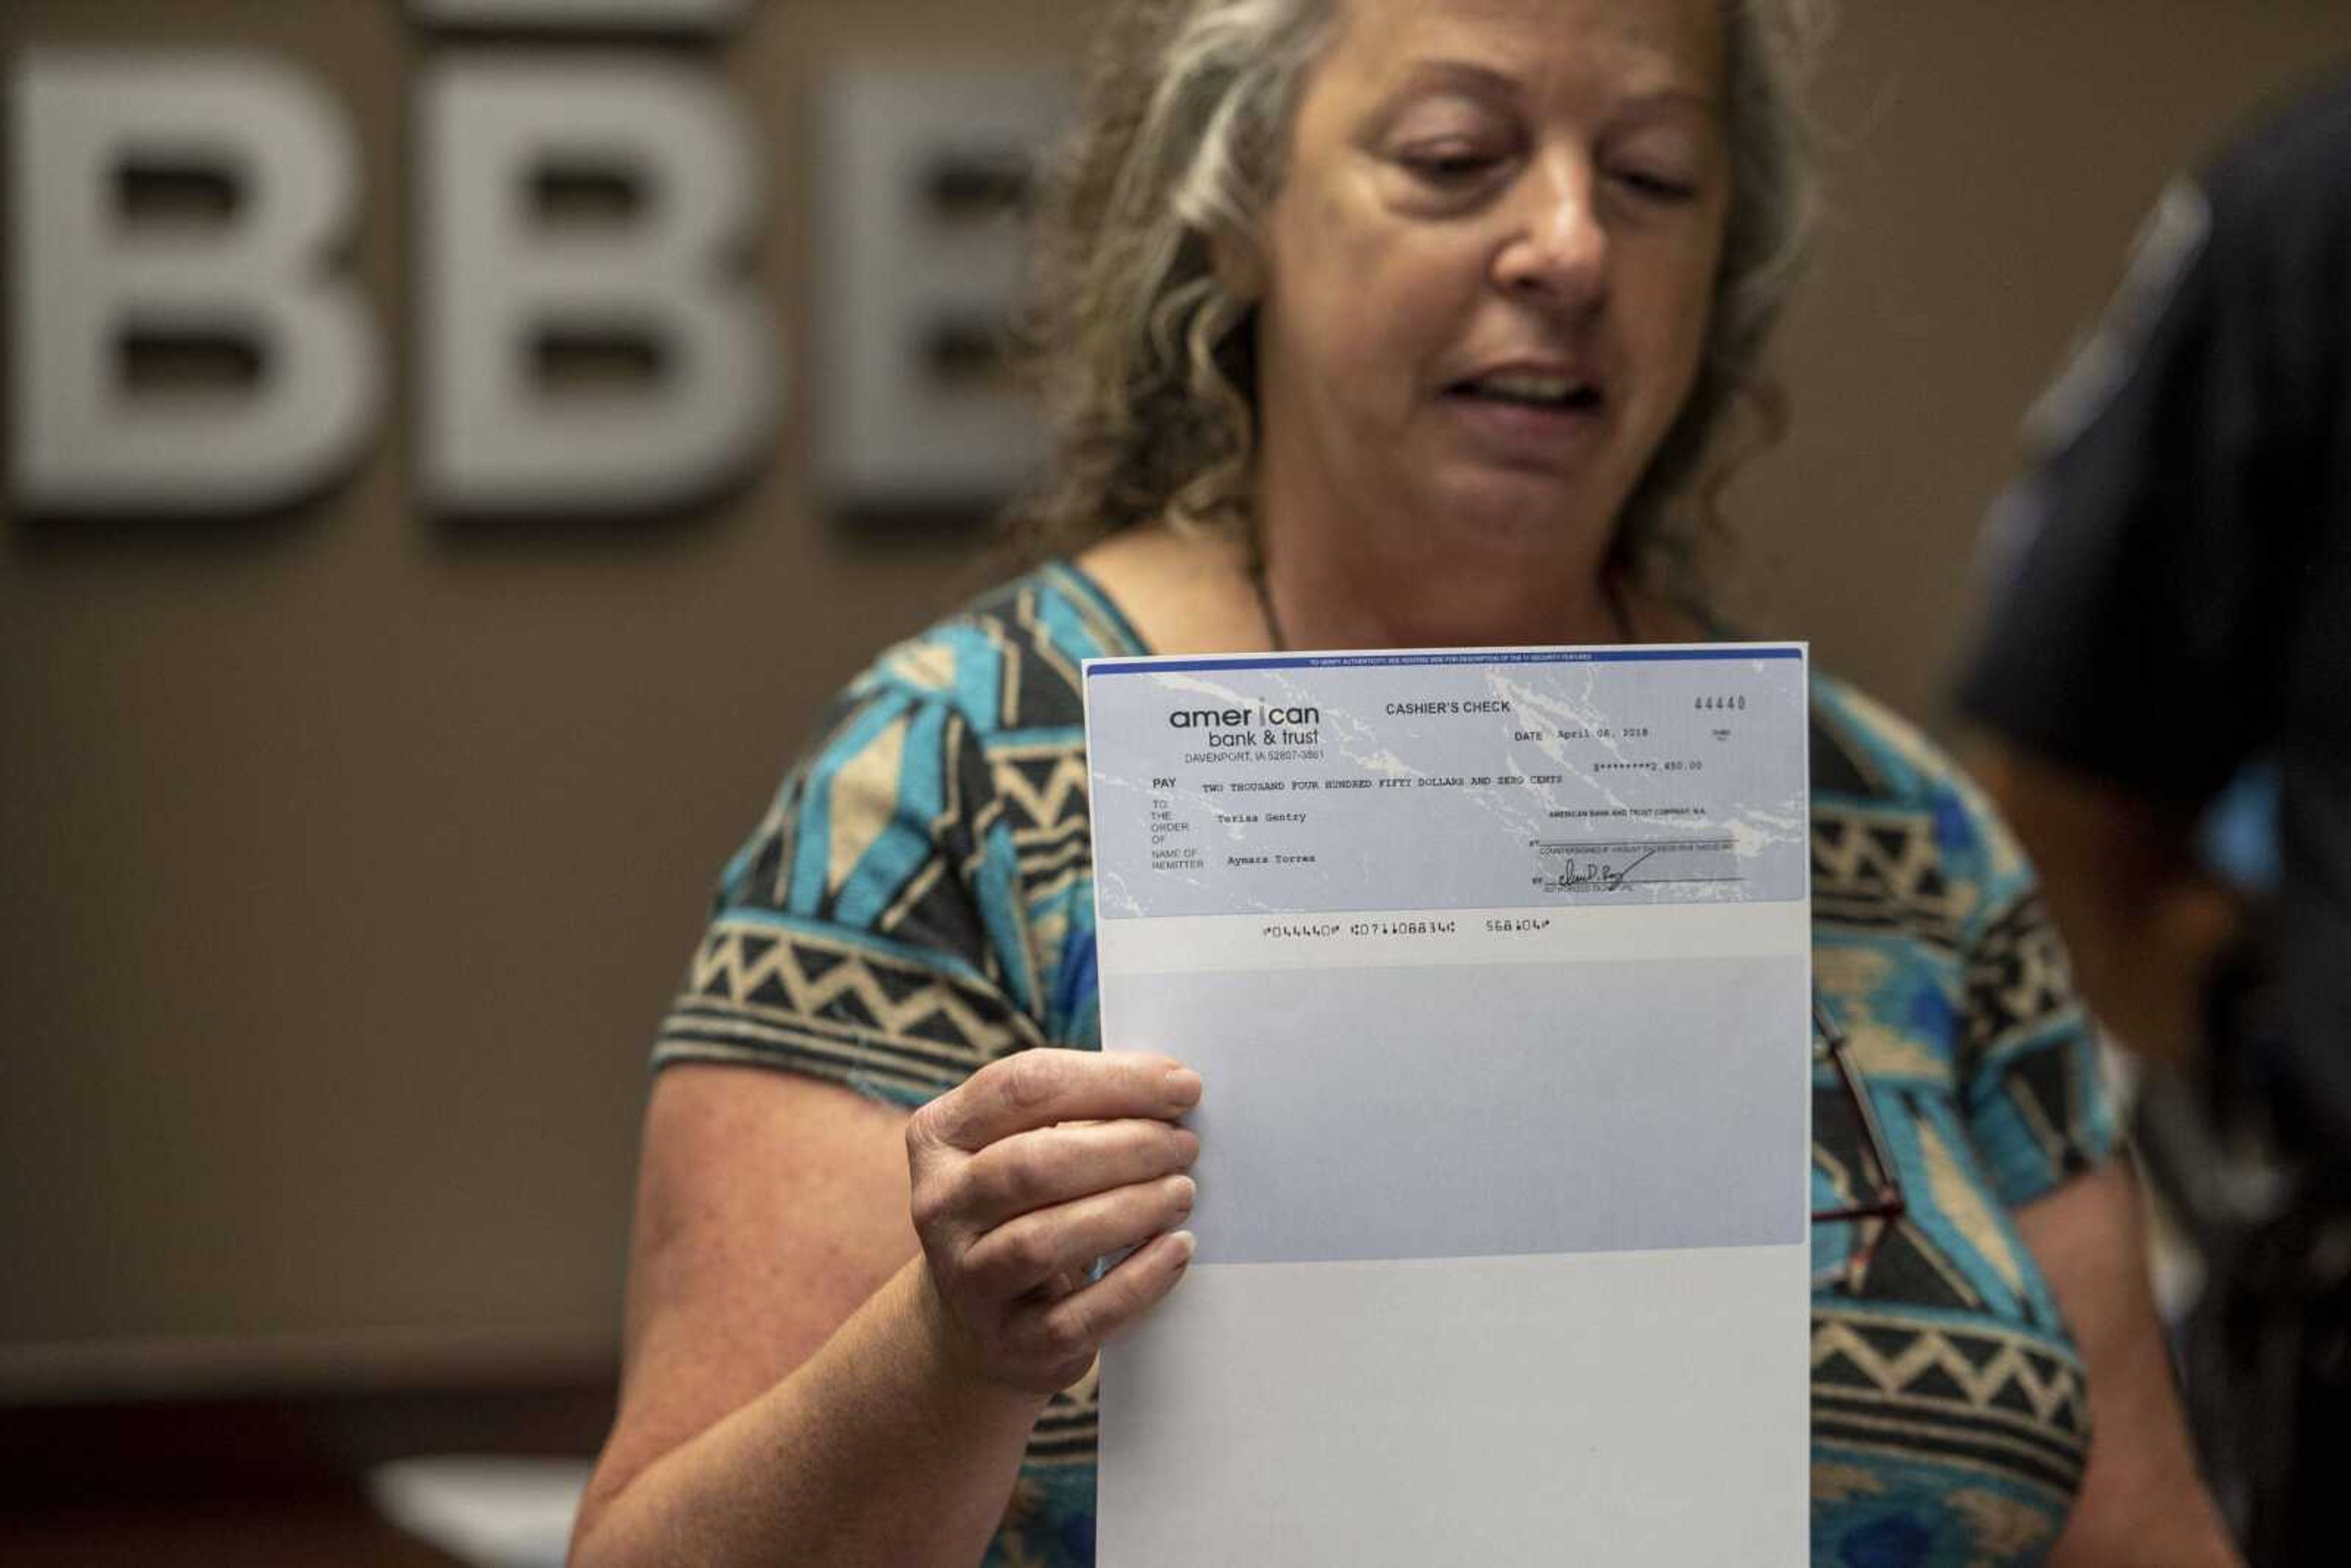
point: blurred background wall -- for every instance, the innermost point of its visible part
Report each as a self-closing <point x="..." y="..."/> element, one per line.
<point x="349" y="852"/>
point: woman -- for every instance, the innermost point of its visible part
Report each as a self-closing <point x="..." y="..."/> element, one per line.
<point x="1382" y="322"/>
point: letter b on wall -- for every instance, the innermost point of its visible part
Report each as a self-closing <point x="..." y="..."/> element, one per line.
<point x="585" y="346"/>
<point x="252" y="284"/>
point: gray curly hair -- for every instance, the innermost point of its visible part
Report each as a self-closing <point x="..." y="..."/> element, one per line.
<point x="1143" y="359"/>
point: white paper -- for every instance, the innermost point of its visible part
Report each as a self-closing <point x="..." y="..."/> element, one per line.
<point x="1497" y="967"/>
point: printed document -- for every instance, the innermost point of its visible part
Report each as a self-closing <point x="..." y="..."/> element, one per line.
<point x="1497" y="967"/>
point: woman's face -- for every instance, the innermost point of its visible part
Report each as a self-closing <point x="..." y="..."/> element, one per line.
<point x="1486" y="278"/>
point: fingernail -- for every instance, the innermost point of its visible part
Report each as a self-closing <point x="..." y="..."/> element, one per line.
<point x="1187" y="1144"/>
<point x="1185" y="1245"/>
<point x="1184" y="1086"/>
<point x="1184" y="1194"/>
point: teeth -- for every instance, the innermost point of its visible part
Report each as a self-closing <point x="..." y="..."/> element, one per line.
<point x="1530" y="387"/>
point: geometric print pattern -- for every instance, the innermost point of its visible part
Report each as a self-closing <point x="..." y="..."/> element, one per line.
<point x="2018" y="977"/>
<point x="1949" y="1407"/>
<point x="1881" y="870"/>
<point x="1982" y="1398"/>
<point x="918" y="901"/>
<point x="897" y="1027"/>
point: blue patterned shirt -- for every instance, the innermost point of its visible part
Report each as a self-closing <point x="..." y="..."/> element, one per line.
<point x="919" y="901"/>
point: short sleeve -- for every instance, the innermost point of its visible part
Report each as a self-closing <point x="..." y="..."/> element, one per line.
<point x="847" y="940"/>
<point x="2030" y="1085"/>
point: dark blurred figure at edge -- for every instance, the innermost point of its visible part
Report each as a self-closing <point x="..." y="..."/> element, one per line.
<point x="2169" y="618"/>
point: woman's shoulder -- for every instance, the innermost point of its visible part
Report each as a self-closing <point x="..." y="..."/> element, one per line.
<point x="1864" y="749"/>
<point x="1885" y="793"/>
<point x="1011" y="658"/>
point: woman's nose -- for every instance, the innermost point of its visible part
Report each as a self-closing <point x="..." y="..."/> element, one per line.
<point x="1557" y="247"/>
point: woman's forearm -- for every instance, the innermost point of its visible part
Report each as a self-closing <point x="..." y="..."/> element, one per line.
<point x="878" y="1449"/>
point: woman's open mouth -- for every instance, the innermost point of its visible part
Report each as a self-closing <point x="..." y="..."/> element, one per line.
<point x="1527" y="417"/>
<point x="1530" y="390"/>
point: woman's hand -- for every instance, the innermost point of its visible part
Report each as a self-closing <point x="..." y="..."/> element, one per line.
<point x="1035" y="1166"/>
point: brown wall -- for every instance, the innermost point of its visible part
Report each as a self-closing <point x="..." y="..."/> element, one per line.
<point x="347" y="860"/>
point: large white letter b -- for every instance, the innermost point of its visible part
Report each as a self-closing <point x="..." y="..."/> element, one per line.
<point x="513" y="290"/>
<point x="90" y="288"/>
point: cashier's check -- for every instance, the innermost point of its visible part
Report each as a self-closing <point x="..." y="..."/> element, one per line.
<point x="1497" y="965"/>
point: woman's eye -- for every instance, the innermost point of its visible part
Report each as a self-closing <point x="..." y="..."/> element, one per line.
<point x="1657" y="186"/>
<point x="1446" y="165"/>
